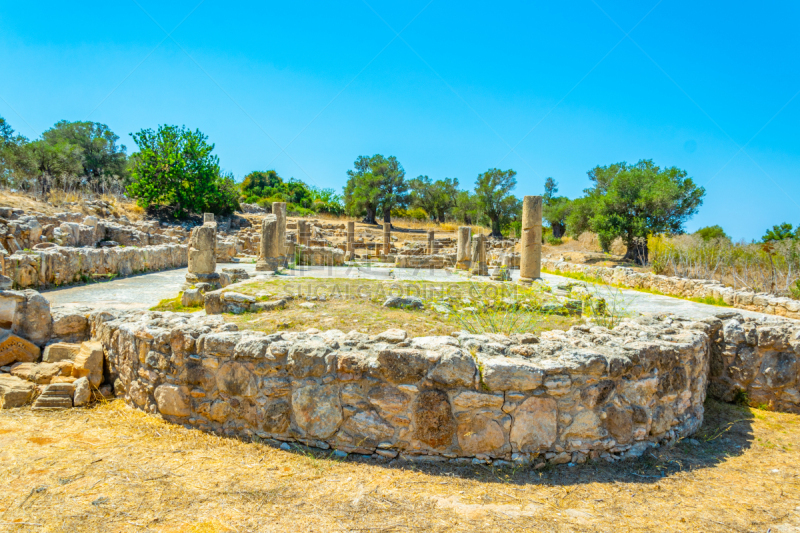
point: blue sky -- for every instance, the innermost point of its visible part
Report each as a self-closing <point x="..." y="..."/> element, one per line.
<point x="545" y="88"/>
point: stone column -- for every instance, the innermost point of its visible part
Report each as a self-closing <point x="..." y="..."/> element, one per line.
<point x="208" y="218"/>
<point x="351" y="239"/>
<point x="268" y="258"/>
<point x="530" y="266"/>
<point x="303" y="235"/>
<point x="203" y="255"/>
<point x="279" y="210"/>
<point x="431" y="243"/>
<point x="463" y="248"/>
<point x="387" y="238"/>
<point x="478" y="266"/>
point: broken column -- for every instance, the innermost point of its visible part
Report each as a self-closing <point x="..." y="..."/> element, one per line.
<point x="203" y="255"/>
<point x="351" y="239"/>
<point x="279" y="210"/>
<point x="463" y="248"/>
<point x="478" y="266"/>
<point x="303" y="233"/>
<point x="530" y="266"/>
<point x="268" y="255"/>
<point x="502" y="271"/>
<point x="387" y="238"/>
<point x="431" y="243"/>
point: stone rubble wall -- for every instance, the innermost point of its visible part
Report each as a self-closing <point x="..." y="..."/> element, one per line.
<point x="683" y="287"/>
<point x="759" y="358"/>
<point x="563" y="397"/>
<point x="59" y="266"/>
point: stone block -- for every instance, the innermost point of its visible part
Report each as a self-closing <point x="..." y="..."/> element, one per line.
<point x="89" y="363"/>
<point x="14" y="392"/>
<point x="60" y="351"/>
<point x="14" y="349"/>
<point x="192" y="298"/>
<point x="172" y="400"/>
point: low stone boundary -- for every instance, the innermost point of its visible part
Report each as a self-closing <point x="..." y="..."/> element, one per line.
<point x="756" y="362"/>
<point x="563" y="397"/>
<point x="683" y="287"/>
<point x="60" y="266"/>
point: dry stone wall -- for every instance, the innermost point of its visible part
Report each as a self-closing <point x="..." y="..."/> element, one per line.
<point x="758" y="358"/>
<point x="563" y="397"/>
<point x="59" y="266"/>
<point x="683" y="287"/>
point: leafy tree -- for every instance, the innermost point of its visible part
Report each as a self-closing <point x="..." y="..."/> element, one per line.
<point x="555" y="209"/>
<point x="437" y="198"/>
<point x="497" y="204"/>
<point x="710" y="233"/>
<point x="466" y="208"/>
<point x="634" y="201"/>
<point x="781" y="232"/>
<point x="50" y="163"/>
<point x="104" y="161"/>
<point x="377" y="184"/>
<point x="175" y="167"/>
<point x="11" y="146"/>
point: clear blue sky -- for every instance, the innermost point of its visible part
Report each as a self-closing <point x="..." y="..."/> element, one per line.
<point x="545" y="88"/>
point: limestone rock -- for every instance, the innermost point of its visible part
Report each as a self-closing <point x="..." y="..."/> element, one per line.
<point x="192" y="298"/>
<point x="369" y="425"/>
<point x="60" y="351"/>
<point x="433" y="419"/>
<point x="14" y="392"/>
<point x="236" y="380"/>
<point x="14" y="349"/>
<point x="70" y="326"/>
<point x="89" y="363"/>
<point x="41" y="373"/>
<point x="479" y="433"/>
<point x="501" y="374"/>
<point x="392" y="336"/>
<point x="83" y="392"/>
<point x="398" y="302"/>
<point x="172" y="400"/>
<point x="316" y="410"/>
<point x="454" y="368"/>
<point x="535" y="425"/>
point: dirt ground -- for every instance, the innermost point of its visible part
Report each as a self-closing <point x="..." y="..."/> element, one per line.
<point x="113" y="468"/>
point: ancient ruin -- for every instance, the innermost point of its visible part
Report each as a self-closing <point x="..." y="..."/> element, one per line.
<point x="463" y="251"/>
<point x="478" y="264"/>
<point x="203" y="254"/>
<point x="531" y="240"/>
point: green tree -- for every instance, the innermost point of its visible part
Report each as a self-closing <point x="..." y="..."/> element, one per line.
<point x="437" y="198"/>
<point x="781" y="232"/>
<point x="104" y="162"/>
<point x="466" y="209"/>
<point x="11" y="148"/>
<point x="710" y="233"/>
<point x="497" y="204"/>
<point x="175" y="167"/>
<point x="555" y="209"/>
<point x="376" y="184"/>
<point x="633" y="202"/>
<point x="50" y="163"/>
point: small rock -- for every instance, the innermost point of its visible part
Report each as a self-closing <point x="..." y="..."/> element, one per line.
<point x="192" y="298"/>
<point x="307" y="305"/>
<point x="83" y="392"/>
<point x="397" y="302"/>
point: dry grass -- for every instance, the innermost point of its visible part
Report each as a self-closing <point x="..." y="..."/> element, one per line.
<point x="57" y="199"/>
<point x="362" y="314"/>
<point x="112" y="468"/>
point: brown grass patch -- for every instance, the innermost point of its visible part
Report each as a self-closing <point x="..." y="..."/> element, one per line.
<point x="151" y="475"/>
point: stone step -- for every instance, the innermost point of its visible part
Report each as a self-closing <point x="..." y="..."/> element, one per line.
<point x="55" y="396"/>
<point x="52" y="402"/>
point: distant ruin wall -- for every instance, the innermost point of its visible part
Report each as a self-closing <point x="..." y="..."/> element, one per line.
<point x="59" y="266"/>
<point x="683" y="287"/>
<point x="563" y="397"/>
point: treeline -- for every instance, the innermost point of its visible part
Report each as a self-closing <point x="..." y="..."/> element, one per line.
<point x="377" y="188"/>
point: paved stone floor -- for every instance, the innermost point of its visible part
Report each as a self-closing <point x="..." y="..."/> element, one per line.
<point x="146" y="290"/>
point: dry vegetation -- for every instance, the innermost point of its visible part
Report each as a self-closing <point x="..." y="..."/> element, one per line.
<point x="364" y="314"/>
<point x="113" y="468"/>
<point x="59" y="201"/>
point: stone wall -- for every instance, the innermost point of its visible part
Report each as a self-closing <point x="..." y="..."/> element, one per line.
<point x="59" y="266"/>
<point x="759" y="358"/>
<point x="563" y="397"/>
<point x="683" y="287"/>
